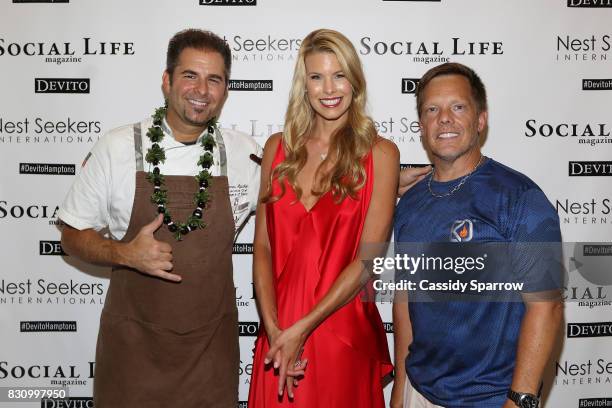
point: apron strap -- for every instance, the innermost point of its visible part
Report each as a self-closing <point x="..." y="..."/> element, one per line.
<point x="222" y="154"/>
<point x="138" y="146"/>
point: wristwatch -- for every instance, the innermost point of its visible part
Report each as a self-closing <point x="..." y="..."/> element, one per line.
<point x="523" y="399"/>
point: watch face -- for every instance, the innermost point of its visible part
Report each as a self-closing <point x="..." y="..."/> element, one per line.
<point x="527" y="401"/>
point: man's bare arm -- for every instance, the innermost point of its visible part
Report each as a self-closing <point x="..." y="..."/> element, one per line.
<point x="536" y="341"/>
<point x="144" y="253"/>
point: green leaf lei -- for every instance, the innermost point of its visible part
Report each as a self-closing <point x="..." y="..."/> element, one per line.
<point x="156" y="154"/>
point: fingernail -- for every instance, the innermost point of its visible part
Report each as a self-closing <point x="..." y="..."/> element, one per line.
<point x="266" y="361"/>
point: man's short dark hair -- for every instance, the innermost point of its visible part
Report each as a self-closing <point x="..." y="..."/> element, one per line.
<point x="200" y="40"/>
<point x="479" y="92"/>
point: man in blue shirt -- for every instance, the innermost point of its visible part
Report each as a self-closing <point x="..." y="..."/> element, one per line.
<point x="481" y="354"/>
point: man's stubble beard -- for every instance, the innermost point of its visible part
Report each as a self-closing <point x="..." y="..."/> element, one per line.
<point x="452" y="158"/>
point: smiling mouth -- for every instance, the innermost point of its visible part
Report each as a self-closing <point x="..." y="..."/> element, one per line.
<point x="197" y="103"/>
<point x="448" y="135"/>
<point x="331" y="102"/>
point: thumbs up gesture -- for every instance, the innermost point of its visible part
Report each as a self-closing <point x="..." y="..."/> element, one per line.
<point x="149" y="255"/>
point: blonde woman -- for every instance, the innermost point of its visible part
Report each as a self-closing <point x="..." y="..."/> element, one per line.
<point x="329" y="184"/>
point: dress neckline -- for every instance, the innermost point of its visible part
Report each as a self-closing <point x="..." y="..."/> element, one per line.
<point x="309" y="210"/>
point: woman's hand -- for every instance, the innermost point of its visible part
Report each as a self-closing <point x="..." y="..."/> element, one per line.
<point x="285" y="353"/>
<point x="410" y="176"/>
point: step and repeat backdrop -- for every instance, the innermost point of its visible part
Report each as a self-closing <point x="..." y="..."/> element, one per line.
<point x="71" y="70"/>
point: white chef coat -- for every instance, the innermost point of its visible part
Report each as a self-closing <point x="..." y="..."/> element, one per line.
<point x="103" y="192"/>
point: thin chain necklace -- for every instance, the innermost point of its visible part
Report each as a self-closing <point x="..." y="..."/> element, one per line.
<point x="458" y="186"/>
<point x="157" y="154"/>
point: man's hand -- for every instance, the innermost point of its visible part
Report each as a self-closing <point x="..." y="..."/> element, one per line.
<point x="149" y="255"/>
<point x="410" y="176"/>
<point x="143" y="253"/>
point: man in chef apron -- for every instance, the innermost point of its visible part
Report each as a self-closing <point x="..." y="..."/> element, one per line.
<point x="168" y="332"/>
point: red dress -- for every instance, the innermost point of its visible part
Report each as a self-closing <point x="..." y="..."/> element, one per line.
<point x="348" y="353"/>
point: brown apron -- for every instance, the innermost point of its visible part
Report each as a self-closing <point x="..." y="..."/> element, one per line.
<point x="165" y="344"/>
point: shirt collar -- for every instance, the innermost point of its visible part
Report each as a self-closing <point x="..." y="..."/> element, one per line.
<point x="166" y="128"/>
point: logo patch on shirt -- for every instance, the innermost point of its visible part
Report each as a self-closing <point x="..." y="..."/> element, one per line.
<point x="462" y="231"/>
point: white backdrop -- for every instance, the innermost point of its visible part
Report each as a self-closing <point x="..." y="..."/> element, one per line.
<point x="532" y="55"/>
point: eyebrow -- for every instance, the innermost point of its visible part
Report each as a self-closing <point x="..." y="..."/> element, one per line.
<point x="452" y="102"/>
<point x="215" y="76"/>
<point x="333" y="73"/>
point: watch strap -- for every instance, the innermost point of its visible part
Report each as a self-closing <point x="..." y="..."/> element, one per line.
<point x="517" y="397"/>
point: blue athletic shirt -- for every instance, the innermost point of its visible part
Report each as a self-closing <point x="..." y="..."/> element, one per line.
<point x="463" y="353"/>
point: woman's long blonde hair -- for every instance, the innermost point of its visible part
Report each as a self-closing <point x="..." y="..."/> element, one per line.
<point x="348" y="145"/>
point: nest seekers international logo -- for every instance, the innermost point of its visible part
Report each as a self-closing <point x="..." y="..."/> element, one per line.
<point x="47" y="213"/>
<point x="583" y="372"/>
<point x="429" y="51"/>
<point x="71" y="402"/>
<point x="409" y="85"/>
<point x="582" y="48"/>
<point x="587" y="134"/>
<point x="228" y="2"/>
<point x="246" y="369"/>
<point x="585" y="212"/>
<point x="590" y="168"/>
<point x="61" y="85"/>
<point x="597" y="84"/>
<point x="65" y="52"/>
<point x="47" y="292"/>
<point x="267" y="48"/>
<point x="595" y="329"/>
<point x="250" y="85"/>
<point x="44" y="131"/>
<point x="399" y="130"/>
<point x="54" y="169"/>
<point x="589" y="4"/>
<point x="52" y="374"/>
